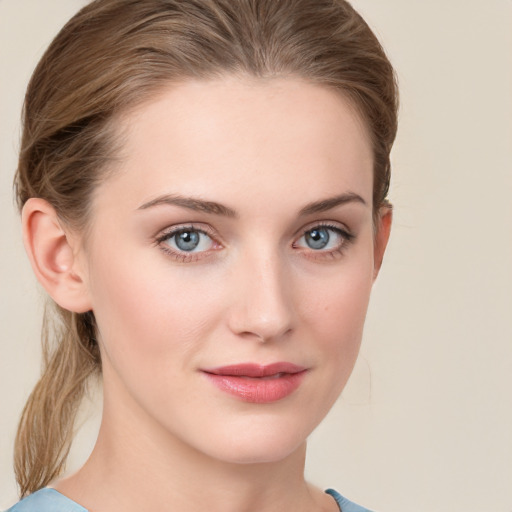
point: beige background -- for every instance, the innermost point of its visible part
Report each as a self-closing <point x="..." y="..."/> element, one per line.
<point x="426" y="422"/>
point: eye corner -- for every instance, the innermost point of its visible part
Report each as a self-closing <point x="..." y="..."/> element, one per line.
<point x="199" y="243"/>
<point x="326" y="240"/>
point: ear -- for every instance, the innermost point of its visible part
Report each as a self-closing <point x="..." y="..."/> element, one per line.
<point x="383" y="230"/>
<point x="53" y="257"/>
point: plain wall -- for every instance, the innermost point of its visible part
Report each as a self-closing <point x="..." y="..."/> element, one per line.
<point x="426" y="422"/>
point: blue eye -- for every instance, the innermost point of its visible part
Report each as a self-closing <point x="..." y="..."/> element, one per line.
<point x="324" y="239"/>
<point x="317" y="238"/>
<point x="189" y="240"/>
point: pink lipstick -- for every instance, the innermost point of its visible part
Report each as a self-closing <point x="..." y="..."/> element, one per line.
<point x="257" y="383"/>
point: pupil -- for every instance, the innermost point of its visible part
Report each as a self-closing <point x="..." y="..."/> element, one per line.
<point x="317" y="238"/>
<point x="187" y="240"/>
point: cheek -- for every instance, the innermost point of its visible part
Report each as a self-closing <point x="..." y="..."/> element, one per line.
<point x="152" y="313"/>
<point x="335" y="311"/>
<point x="337" y="306"/>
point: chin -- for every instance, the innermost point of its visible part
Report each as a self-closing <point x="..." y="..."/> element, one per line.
<point x="258" y="452"/>
<point x="257" y="443"/>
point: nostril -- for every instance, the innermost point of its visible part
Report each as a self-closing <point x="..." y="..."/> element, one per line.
<point x="265" y="334"/>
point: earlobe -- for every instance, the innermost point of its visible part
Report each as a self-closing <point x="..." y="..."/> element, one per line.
<point x="51" y="254"/>
<point x="383" y="228"/>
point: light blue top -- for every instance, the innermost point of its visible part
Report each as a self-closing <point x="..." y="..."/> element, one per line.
<point x="46" y="500"/>
<point x="344" y="504"/>
<point x="50" y="500"/>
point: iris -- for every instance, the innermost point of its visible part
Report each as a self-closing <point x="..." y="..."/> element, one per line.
<point x="317" y="238"/>
<point x="187" y="240"/>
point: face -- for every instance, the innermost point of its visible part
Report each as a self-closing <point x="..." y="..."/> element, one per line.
<point x="229" y="264"/>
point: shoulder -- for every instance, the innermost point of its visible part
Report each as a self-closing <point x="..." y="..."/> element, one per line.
<point x="345" y="504"/>
<point x="46" y="500"/>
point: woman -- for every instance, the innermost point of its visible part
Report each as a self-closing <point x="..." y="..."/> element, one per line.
<point x="203" y="191"/>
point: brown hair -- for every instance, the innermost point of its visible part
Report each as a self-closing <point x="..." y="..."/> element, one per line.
<point x="116" y="54"/>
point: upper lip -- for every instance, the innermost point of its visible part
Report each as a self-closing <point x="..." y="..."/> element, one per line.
<point x="255" y="370"/>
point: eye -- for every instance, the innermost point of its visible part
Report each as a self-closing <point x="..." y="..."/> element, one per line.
<point x="317" y="238"/>
<point x="189" y="240"/>
<point x="326" y="239"/>
<point x="184" y="241"/>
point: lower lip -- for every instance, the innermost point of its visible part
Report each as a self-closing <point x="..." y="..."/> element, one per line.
<point x="258" y="390"/>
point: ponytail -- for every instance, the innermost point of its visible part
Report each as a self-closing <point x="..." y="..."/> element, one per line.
<point x="45" y="430"/>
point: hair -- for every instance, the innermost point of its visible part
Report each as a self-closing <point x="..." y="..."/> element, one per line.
<point x="116" y="54"/>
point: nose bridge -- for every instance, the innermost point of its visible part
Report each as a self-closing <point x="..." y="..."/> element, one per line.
<point x="263" y="306"/>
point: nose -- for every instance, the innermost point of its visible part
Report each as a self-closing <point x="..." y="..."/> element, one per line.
<point x="262" y="305"/>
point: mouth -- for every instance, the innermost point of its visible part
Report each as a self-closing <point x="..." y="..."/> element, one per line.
<point x="257" y="383"/>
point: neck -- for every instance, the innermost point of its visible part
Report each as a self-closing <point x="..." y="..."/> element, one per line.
<point x="131" y="471"/>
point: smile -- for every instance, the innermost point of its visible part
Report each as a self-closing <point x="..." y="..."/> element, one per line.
<point x="256" y="383"/>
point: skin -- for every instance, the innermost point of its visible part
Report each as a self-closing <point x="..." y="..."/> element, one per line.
<point x="253" y="291"/>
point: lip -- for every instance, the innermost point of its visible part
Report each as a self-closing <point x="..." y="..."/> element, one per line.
<point x="256" y="383"/>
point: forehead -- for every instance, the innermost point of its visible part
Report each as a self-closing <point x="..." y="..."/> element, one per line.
<point x="244" y="139"/>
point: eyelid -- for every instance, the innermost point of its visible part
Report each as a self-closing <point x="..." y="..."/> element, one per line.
<point x="326" y="224"/>
<point x="347" y="237"/>
<point x="192" y="226"/>
<point x="184" y="256"/>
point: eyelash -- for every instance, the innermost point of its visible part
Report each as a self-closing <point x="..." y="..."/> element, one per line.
<point x="346" y="239"/>
<point x="190" y="257"/>
<point x="183" y="256"/>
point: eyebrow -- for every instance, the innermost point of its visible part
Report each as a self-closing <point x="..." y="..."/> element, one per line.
<point x="200" y="205"/>
<point x="330" y="203"/>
